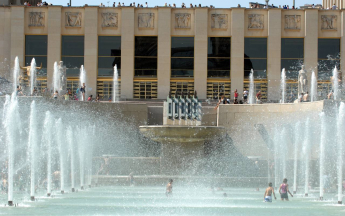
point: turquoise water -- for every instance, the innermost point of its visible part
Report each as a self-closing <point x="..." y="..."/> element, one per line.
<point x="152" y="201"/>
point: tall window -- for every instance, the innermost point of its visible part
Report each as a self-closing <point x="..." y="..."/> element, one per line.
<point x="328" y="57"/>
<point x="72" y="54"/>
<point x="292" y="54"/>
<point x="109" y="54"/>
<point x="36" y="47"/>
<point x="182" y="56"/>
<point x="145" y="63"/>
<point x="255" y="57"/>
<point x="218" y="53"/>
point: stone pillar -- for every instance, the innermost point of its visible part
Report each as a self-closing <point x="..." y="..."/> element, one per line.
<point x="17" y="34"/>
<point x="5" y="38"/>
<point x="200" y="52"/>
<point x="164" y="51"/>
<point x="127" y="51"/>
<point x="54" y="42"/>
<point x="91" y="49"/>
<point x="273" y="54"/>
<point x="311" y="42"/>
<point x="342" y="48"/>
<point x="237" y="50"/>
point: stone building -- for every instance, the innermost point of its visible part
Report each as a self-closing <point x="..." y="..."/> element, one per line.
<point x="210" y="51"/>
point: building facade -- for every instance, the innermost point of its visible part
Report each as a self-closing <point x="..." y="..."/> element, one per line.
<point x="164" y="49"/>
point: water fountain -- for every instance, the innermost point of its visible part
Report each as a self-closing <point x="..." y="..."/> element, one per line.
<point x="313" y="88"/>
<point x="340" y="141"/>
<point x="297" y="140"/>
<point x="283" y="86"/>
<point x="251" y="99"/>
<point x="71" y="151"/>
<point x="306" y="149"/>
<point x="56" y="77"/>
<point x="47" y="140"/>
<point x="33" y="142"/>
<point x="82" y="80"/>
<point x="81" y="153"/>
<point x="62" y="153"/>
<point x="335" y="84"/>
<point x="16" y="71"/>
<point x="115" y="83"/>
<point x="323" y="141"/>
<point x="33" y="73"/>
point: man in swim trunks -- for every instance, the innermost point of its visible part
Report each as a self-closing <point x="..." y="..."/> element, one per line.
<point x="168" y="192"/>
<point x="284" y="190"/>
<point x="268" y="193"/>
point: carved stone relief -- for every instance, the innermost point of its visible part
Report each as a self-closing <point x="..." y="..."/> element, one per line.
<point x="329" y="22"/>
<point x="293" y="22"/>
<point x="36" y="19"/>
<point x="109" y="20"/>
<point x="182" y="20"/>
<point x="146" y="20"/>
<point x="219" y="21"/>
<point x="255" y="21"/>
<point x="73" y="19"/>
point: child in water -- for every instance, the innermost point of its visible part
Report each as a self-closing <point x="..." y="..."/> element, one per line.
<point x="168" y="191"/>
<point x="268" y="193"/>
<point x="284" y="190"/>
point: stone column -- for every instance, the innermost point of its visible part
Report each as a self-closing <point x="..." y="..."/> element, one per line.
<point x="127" y="51"/>
<point x="54" y="42"/>
<point x="274" y="53"/>
<point x="5" y="38"/>
<point x="237" y="50"/>
<point x="17" y="34"/>
<point x="342" y="39"/>
<point x="91" y="48"/>
<point x="311" y="42"/>
<point x="164" y="51"/>
<point x="200" y="52"/>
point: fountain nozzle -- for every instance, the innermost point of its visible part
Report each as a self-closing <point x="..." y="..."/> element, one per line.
<point x="62" y="192"/>
<point x="340" y="202"/>
<point x="306" y="195"/>
<point x="10" y="203"/>
<point x="73" y="190"/>
<point x="48" y="194"/>
<point x="32" y="198"/>
<point x="321" y="198"/>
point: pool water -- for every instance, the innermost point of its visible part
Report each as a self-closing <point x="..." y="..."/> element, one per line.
<point x="121" y="200"/>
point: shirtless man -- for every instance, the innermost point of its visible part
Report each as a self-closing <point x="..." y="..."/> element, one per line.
<point x="168" y="192"/>
<point x="268" y="193"/>
<point x="284" y="190"/>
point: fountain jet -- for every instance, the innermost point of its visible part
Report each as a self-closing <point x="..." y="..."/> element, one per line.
<point x="251" y="95"/>
<point x="115" y="84"/>
<point x="283" y="85"/>
<point x="33" y="148"/>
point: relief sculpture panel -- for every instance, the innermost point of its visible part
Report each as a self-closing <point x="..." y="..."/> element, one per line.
<point x="293" y="22"/>
<point x="255" y="21"/>
<point x="109" y="20"/>
<point x="36" y="19"/>
<point x="73" y="19"/>
<point x="182" y="20"/>
<point x="146" y="20"/>
<point x="219" y="21"/>
<point x="329" y="22"/>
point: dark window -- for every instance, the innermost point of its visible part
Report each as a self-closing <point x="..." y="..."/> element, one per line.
<point x="109" y="55"/>
<point x="72" y="46"/>
<point x="182" y="47"/>
<point x="146" y="46"/>
<point x="72" y="54"/>
<point x="255" y="57"/>
<point x="329" y="49"/>
<point x="109" y="46"/>
<point x="145" y="62"/>
<point x="255" y="47"/>
<point x="182" y="56"/>
<point x="36" y="47"/>
<point x="328" y="57"/>
<point x="218" y="64"/>
<point x="292" y="54"/>
<point x="292" y="48"/>
<point x="219" y="47"/>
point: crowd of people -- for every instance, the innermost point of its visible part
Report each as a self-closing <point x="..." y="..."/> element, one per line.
<point x="224" y="100"/>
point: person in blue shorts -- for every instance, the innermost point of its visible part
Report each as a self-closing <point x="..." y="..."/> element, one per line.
<point x="268" y="193"/>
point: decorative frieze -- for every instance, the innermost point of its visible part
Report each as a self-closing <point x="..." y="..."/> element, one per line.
<point x="182" y="20"/>
<point x="109" y="20"/>
<point x="255" y="21"/>
<point x="219" y="21"/>
<point x="36" y="19"/>
<point x="329" y="22"/>
<point x="146" y="20"/>
<point x="293" y="22"/>
<point x="73" y="19"/>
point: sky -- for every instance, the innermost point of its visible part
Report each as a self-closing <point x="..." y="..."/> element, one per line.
<point x="216" y="3"/>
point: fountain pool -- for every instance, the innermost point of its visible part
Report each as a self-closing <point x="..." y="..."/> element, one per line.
<point x="125" y="200"/>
